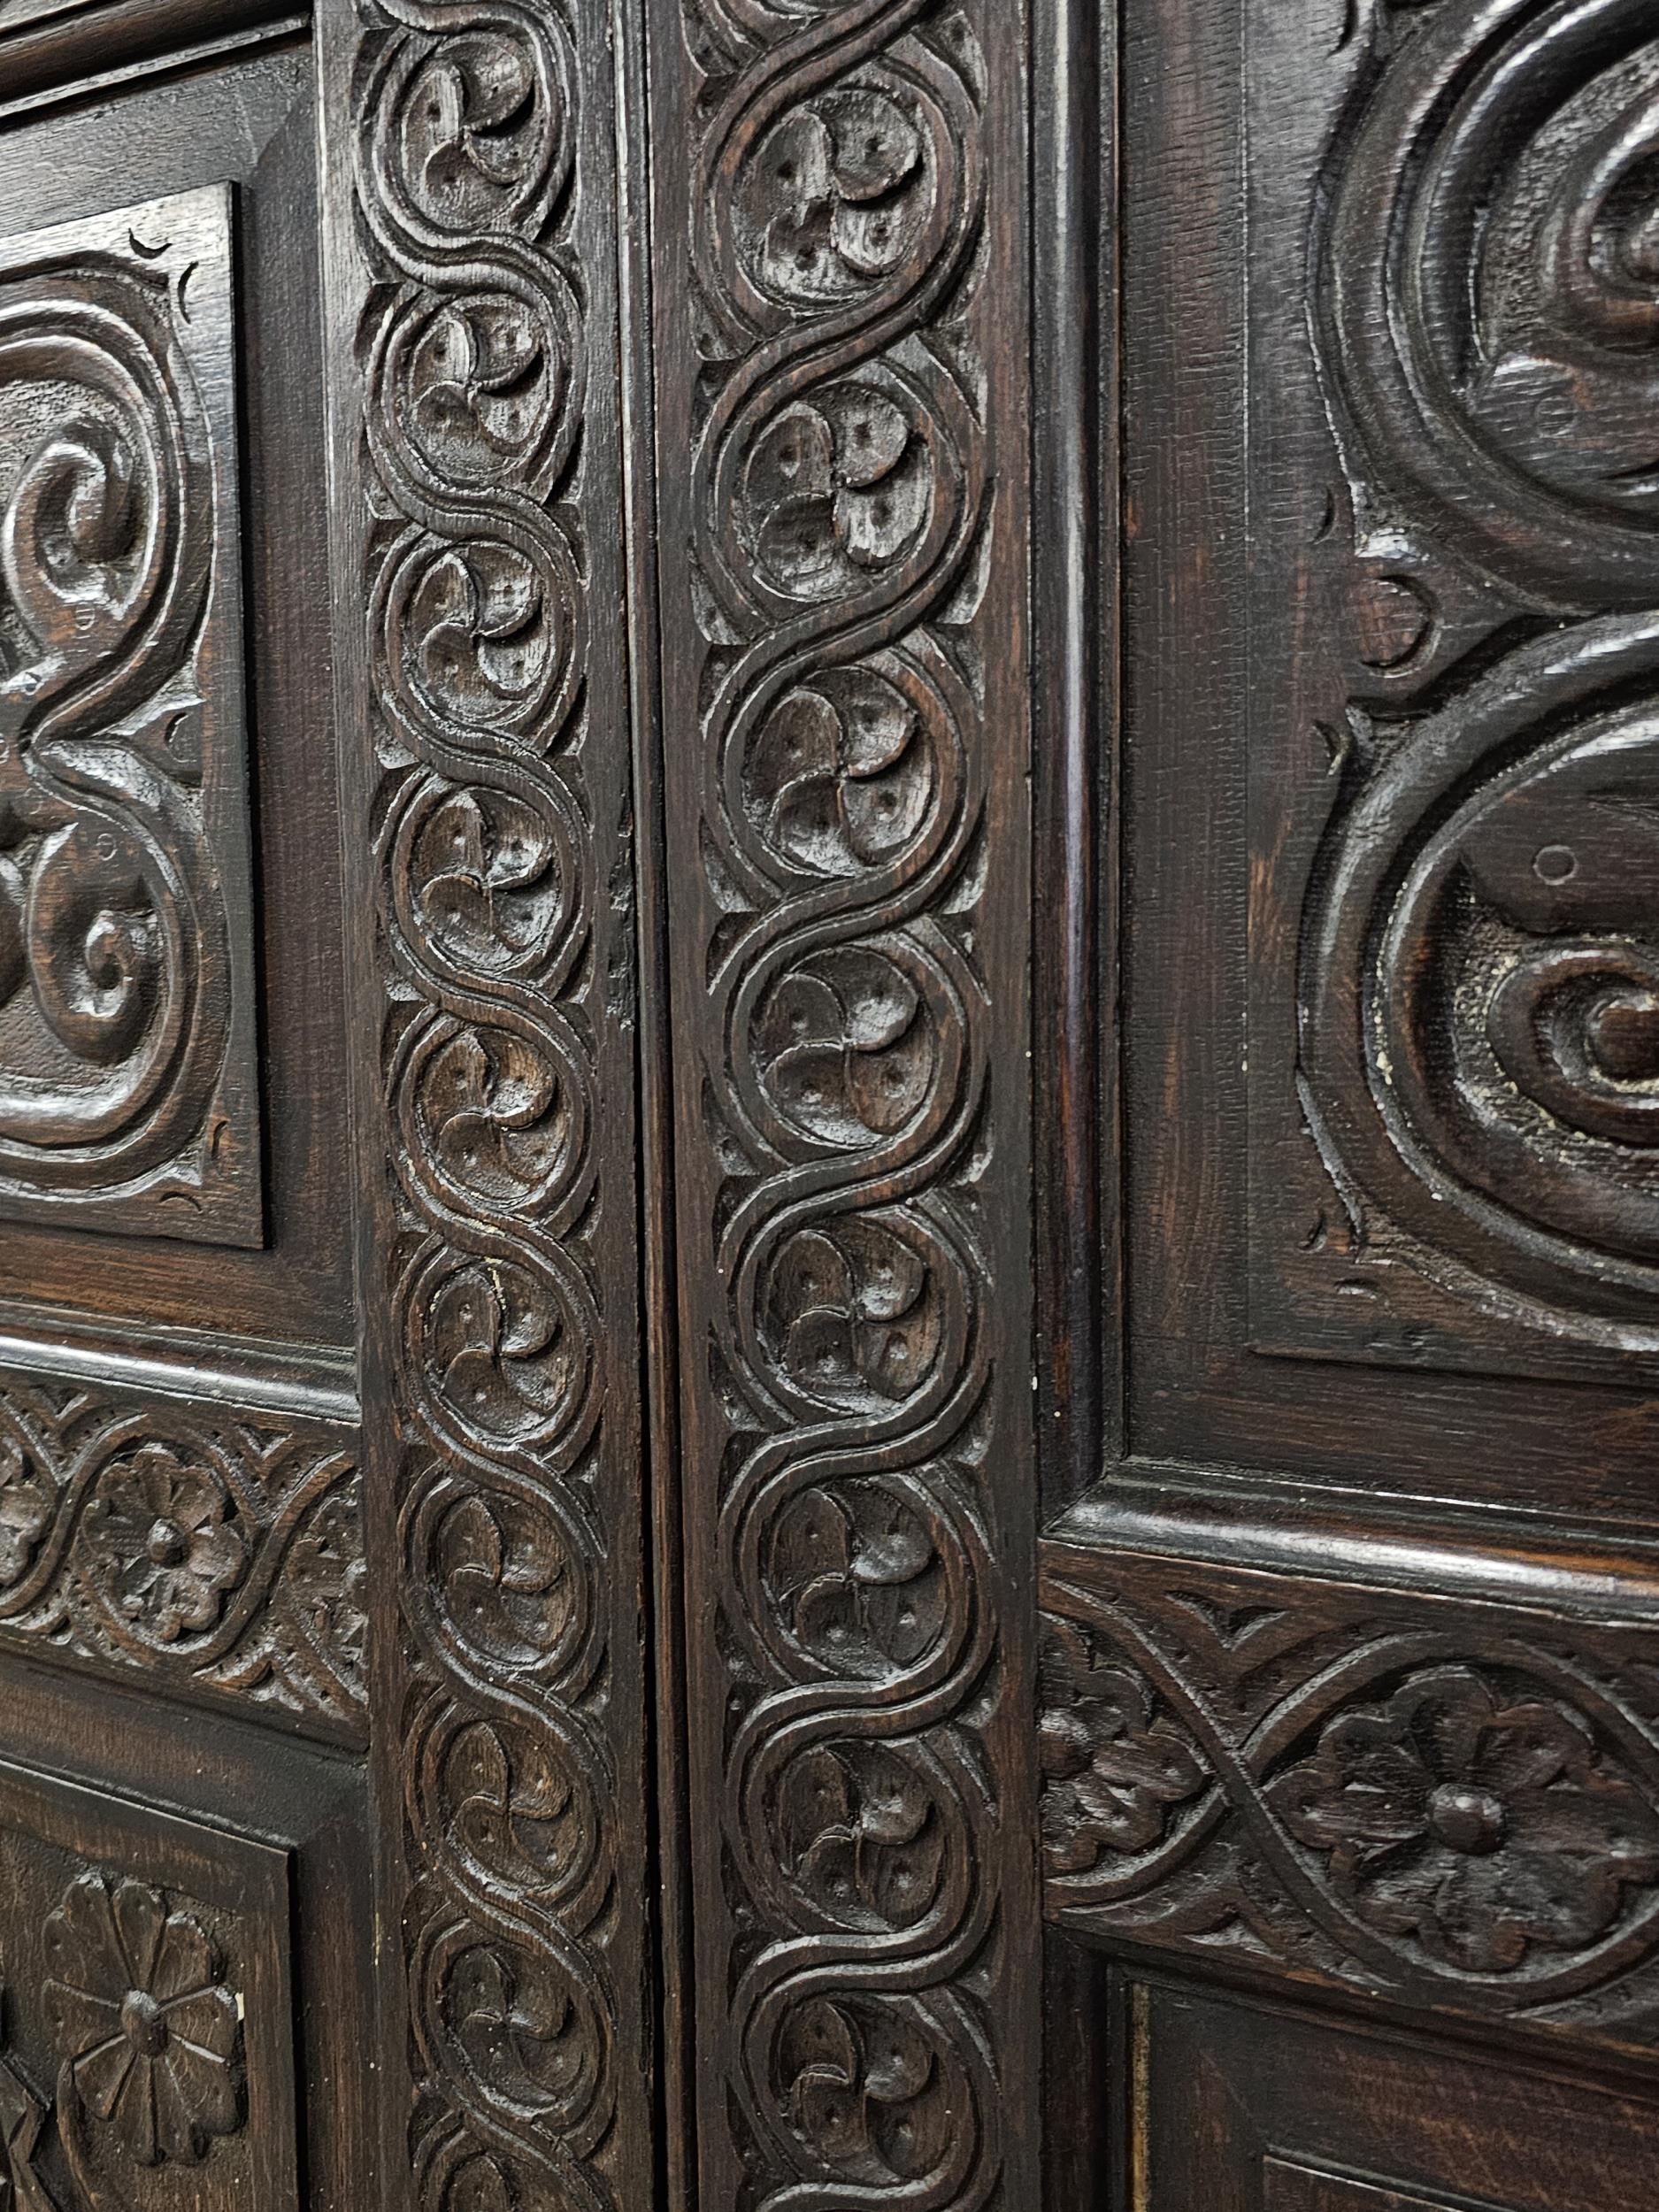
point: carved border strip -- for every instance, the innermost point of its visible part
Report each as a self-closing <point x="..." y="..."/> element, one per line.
<point x="208" y="1550"/>
<point x="838" y="204"/>
<point x="1451" y="1804"/>
<point x="476" y="278"/>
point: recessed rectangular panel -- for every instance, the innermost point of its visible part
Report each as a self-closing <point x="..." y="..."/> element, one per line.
<point x="128" y="1096"/>
<point x="1454" y="678"/>
<point x="147" y="2034"/>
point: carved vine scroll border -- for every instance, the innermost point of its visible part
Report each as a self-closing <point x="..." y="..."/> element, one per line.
<point x="473" y="322"/>
<point x="846" y="844"/>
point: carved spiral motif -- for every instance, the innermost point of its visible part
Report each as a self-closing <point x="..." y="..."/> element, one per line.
<point x="1480" y="964"/>
<point x="474" y="387"/>
<point x="111" y="912"/>
<point x="1489" y="288"/>
<point x="839" y="490"/>
<point x="1511" y="1083"/>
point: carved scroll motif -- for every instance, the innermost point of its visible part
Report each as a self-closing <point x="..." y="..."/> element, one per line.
<point x="1454" y="1806"/>
<point x="853" y="1414"/>
<point x="1480" y="985"/>
<point x="128" y="1072"/>
<point x="500" y="866"/>
<point x="213" y="1554"/>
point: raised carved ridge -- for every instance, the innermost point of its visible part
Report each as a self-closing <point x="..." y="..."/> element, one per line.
<point x="501" y="871"/>
<point x="1454" y="1805"/>
<point x="127" y="1023"/>
<point x="1478" y="1002"/>
<point x="210" y="1551"/>
<point x="840" y="860"/>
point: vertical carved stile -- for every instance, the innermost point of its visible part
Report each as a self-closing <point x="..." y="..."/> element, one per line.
<point x="841" y="274"/>
<point x="477" y="496"/>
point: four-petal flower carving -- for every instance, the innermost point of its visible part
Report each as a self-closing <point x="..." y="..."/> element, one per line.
<point x="854" y="1314"/>
<point x="481" y="376"/>
<point x="475" y="128"/>
<point x="494" y="1115"/>
<point x="866" y="2092"/>
<point x="839" y="779"/>
<point x="501" y="1356"/>
<point x="836" y="486"/>
<point x="485" y="879"/>
<point x="857" y="1576"/>
<point x="1477" y="1821"/>
<point x="847" y="1046"/>
<point x="139" y="2008"/>
<point x="835" y="195"/>
<point x="861" y="1835"/>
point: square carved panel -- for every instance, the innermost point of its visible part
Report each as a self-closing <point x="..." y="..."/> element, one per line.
<point x="128" y="1086"/>
<point x="1454" y="678"/>
<point x="145" y="2012"/>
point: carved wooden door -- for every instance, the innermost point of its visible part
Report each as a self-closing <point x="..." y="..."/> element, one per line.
<point x="828" y="1039"/>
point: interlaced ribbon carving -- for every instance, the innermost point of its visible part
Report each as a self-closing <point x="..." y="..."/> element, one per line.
<point x="465" y="137"/>
<point x="840" y="506"/>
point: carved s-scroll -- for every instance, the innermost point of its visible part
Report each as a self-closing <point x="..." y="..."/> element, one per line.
<point x="1480" y="960"/>
<point x="1488" y="286"/>
<point x="846" y="865"/>
<point x="506" y="1263"/>
<point x="126" y="1030"/>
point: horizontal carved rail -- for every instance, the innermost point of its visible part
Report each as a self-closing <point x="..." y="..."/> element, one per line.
<point x="1450" y="1804"/>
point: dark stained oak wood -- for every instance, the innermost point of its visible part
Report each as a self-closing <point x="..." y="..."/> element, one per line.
<point x="829" y="1075"/>
<point x="1349" y="1647"/>
<point x="1240" y="2105"/>
<point x="472" y="278"/>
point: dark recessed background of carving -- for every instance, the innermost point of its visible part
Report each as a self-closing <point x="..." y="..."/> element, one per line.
<point x="216" y="1552"/>
<point x="1447" y="1804"/>
<point x="127" y="1069"/>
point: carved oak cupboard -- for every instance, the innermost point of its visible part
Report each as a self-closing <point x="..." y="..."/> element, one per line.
<point x="829" y="1105"/>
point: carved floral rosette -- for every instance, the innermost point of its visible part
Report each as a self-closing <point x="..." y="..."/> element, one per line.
<point x="212" y="1554"/>
<point x="141" y="2013"/>
<point x="1454" y="1805"/>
